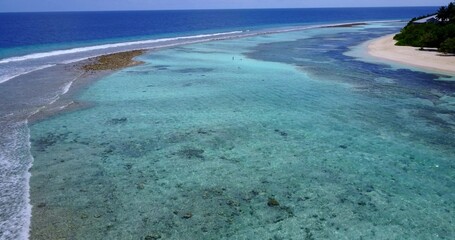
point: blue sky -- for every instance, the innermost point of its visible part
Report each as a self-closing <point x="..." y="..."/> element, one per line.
<point x="87" y="5"/>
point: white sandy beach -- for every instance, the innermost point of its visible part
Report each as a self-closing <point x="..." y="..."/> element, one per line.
<point x="385" y="48"/>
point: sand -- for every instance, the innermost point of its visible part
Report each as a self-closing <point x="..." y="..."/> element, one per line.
<point x="385" y="48"/>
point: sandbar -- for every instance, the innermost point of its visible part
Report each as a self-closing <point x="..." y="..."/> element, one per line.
<point x="430" y="59"/>
<point x="114" y="61"/>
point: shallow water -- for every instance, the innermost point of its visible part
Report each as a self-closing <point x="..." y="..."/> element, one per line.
<point x="272" y="137"/>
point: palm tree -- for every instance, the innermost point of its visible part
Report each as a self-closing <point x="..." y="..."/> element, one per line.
<point x="443" y="14"/>
<point x="447" y="14"/>
<point x="451" y="12"/>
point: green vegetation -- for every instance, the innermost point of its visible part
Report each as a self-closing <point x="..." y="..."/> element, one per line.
<point x="448" y="46"/>
<point x="439" y="33"/>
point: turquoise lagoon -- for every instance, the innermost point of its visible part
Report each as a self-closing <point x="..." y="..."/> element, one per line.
<point x="277" y="136"/>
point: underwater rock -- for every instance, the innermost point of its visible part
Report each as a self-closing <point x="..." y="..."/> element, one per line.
<point x="161" y="67"/>
<point x="195" y="70"/>
<point x="134" y="148"/>
<point x="187" y="215"/>
<point x="272" y="202"/>
<point x="303" y="198"/>
<point x="153" y="236"/>
<point x="368" y="188"/>
<point x="41" y="205"/>
<point x="50" y="139"/>
<point x="109" y="150"/>
<point x="288" y="210"/>
<point x="282" y="133"/>
<point x="308" y="234"/>
<point x="117" y="120"/>
<point x="202" y="131"/>
<point x="192" y="153"/>
<point x="250" y="195"/>
<point x="232" y="203"/>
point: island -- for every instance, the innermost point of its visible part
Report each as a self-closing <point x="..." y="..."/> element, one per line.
<point x="434" y="31"/>
<point x="426" y="42"/>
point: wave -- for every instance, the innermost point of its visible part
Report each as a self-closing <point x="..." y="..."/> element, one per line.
<point x="125" y="44"/>
<point x="6" y="77"/>
<point x="106" y="46"/>
<point x="15" y="162"/>
<point x="97" y="50"/>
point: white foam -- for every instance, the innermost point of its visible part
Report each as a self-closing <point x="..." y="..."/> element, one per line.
<point x="18" y="226"/>
<point x="6" y="77"/>
<point x="27" y="211"/>
<point x="67" y="87"/>
<point x="106" y="46"/>
<point x="55" y="98"/>
<point x="75" y="60"/>
<point x="66" y="105"/>
<point x="15" y="161"/>
<point x="42" y="55"/>
<point x="171" y="42"/>
<point x="124" y="44"/>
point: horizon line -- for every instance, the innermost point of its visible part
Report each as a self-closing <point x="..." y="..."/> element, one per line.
<point x="206" y="9"/>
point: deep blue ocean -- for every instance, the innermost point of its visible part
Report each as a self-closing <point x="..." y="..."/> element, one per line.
<point x="275" y="132"/>
<point x="31" y="41"/>
<point x="29" y="29"/>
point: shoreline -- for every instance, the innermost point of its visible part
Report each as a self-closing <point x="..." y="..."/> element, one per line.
<point x="384" y="48"/>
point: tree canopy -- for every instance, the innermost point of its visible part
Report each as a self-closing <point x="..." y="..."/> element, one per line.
<point x="447" y="14"/>
<point x="438" y="34"/>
